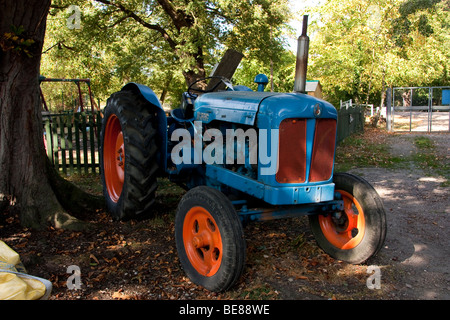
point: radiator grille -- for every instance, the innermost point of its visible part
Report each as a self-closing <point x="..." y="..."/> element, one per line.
<point x="292" y="151"/>
<point x="323" y="150"/>
<point x="292" y="154"/>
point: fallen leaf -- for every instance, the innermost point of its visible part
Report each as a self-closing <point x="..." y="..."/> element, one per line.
<point x="120" y="296"/>
<point x="91" y="256"/>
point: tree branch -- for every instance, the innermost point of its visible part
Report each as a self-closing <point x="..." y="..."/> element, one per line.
<point x="60" y="44"/>
<point x="220" y="14"/>
<point x="117" y="22"/>
<point x="53" y="6"/>
<point x="142" y="22"/>
<point x="178" y="19"/>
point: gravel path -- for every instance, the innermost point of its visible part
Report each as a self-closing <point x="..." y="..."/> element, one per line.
<point x="417" y="246"/>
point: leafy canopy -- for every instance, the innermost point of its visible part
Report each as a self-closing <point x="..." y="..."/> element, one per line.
<point x="360" y="47"/>
<point x="160" y="43"/>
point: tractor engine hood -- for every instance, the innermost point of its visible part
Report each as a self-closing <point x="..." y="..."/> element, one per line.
<point x="242" y="106"/>
<point x="230" y="106"/>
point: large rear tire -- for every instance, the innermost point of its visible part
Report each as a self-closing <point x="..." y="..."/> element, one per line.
<point x="358" y="232"/>
<point x="128" y="156"/>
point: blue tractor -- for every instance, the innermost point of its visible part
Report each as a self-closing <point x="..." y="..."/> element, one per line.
<point x="242" y="156"/>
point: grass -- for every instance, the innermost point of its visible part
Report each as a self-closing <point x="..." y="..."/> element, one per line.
<point x="89" y="182"/>
<point x="424" y="143"/>
<point x="429" y="160"/>
<point x="426" y="157"/>
<point x="367" y="149"/>
<point x="258" y="291"/>
<point x="371" y="149"/>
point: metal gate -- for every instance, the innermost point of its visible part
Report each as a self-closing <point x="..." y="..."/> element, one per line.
<point x="420" y="109"/>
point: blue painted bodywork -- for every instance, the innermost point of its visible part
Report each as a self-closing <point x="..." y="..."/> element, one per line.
<point x="266" y="110"/>
<point x="146" y="92"/>
<point x="294" y="105"/>
<point x="262" y="81"/>
<point x="237" y="107"/>
<point x="242" y="107"/>
<point x="281" y="212"/>
<point x="259" y="110"/>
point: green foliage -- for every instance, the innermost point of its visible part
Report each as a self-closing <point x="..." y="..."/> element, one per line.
<point x="18" y="41"/>
<point x="162" y="44"/>
<point x="283" y="71"/>
<point x="359" y="48"/>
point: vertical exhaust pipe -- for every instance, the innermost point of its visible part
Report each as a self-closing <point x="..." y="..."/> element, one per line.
<point x="302" y="59"/>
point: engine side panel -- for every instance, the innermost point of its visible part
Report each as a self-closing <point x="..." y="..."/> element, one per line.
<point x="231" y="106"/>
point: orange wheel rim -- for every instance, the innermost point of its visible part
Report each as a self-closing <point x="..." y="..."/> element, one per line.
<point x="347" y="231"/>
<point x="202" y="241"/>
<point x="113" y="158"/>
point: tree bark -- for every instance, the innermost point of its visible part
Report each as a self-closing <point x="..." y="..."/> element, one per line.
<point x="24" y="168"/>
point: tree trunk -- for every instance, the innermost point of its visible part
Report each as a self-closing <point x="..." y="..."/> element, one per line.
<point x="24" y="169"/>
<point x="197" y="71"/>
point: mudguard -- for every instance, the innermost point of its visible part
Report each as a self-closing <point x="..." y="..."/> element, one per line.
<point x="161" y="119"/>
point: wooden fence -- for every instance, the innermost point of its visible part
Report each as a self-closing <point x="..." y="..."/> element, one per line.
<point x="350" y="120"/>
<point x="71" y="141"/>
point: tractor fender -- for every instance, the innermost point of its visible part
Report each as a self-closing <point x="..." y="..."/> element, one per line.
<point x="161" y="119"/>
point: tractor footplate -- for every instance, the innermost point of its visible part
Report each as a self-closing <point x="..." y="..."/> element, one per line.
<point x="281" y="212"/>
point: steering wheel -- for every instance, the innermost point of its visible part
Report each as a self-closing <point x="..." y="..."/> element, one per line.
<point x="223" y="80"/>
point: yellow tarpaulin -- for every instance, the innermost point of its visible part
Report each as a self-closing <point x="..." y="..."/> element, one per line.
<point x="15" y="283"/>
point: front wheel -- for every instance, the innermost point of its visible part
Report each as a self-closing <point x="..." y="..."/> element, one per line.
<point x="209" y="239"/>
<point x="358" y="232"/>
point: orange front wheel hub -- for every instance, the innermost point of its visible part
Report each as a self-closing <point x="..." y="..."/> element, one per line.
<point x="344" y="230"/>
<point x="202" y="241"/>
